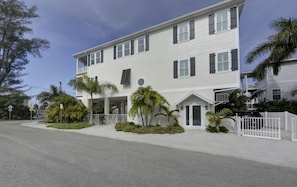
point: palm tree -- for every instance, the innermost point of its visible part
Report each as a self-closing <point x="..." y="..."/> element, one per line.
<point x="51" y="96"/>
<point x="170" y="114"/>
<point x="216" y="118"/>
<point x="294" y="92"/>
<point x="279" y="47"/>
<point x="91" y="86"/>
<point x="145" y="101"/>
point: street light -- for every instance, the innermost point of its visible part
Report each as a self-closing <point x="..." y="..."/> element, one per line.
<point x="61" y="111"/>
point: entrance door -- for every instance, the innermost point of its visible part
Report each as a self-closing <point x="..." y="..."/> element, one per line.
<point x="193" y="115"/>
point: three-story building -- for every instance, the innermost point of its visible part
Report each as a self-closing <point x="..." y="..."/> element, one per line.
<point x="193" y="61"/>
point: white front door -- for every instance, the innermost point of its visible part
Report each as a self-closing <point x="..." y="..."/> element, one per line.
<point x="193" y="115"/>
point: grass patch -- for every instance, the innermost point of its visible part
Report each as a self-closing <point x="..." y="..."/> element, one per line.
<point x="69" y="125"/>
<point x="155" y="129"/>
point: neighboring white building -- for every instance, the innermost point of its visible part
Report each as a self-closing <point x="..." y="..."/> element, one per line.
<point x="277" y="87"/>
<point x="193" y="61"/>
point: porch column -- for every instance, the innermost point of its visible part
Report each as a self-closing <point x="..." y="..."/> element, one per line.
<point x="106" y="106"/>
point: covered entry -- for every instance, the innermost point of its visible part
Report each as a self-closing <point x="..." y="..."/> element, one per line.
<point x="192" y="109"/>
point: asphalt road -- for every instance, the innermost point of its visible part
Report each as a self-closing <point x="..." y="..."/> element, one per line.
<point x="32" y="157"/>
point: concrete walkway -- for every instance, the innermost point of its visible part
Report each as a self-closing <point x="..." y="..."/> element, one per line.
<point x="281" y="153"/>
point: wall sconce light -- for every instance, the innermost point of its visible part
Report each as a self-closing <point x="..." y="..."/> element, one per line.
<point x="206" y="107"/>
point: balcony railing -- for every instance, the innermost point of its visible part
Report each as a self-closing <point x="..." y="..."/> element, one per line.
<point x="82" y="70"/>
<point x="222" y="97"/>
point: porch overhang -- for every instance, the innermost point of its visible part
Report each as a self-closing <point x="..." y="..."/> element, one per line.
<point x="196" y="95"/>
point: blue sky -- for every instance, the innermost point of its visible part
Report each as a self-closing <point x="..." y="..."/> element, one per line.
<point x="74" y="25"/>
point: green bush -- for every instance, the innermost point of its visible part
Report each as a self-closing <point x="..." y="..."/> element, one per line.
<point x="153" y="129"/>
<point x="213" y="129"/>
<point x="69" y="125"/>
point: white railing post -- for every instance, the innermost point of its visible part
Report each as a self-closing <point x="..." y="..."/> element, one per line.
<point x="286" y="120"/>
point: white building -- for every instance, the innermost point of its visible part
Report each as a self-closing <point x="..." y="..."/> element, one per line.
<point x="193" y="61"/>
<point x="277" y="87"/>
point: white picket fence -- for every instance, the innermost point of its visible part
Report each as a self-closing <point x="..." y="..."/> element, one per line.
<point x="268" y="128"/>
<point x="294" y="129"/>
<point x="106" y="119"/>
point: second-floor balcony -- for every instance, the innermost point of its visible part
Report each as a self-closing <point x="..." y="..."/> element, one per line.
<point x="81" y="70"/>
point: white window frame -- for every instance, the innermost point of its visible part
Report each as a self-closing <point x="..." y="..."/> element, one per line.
<point x="127" y="48"/>
<point x="186" y="70"/>
<point x="222" y="22"/>
<point x="218" y="62"/>
<point x="185" y="34"/>
<point x="141" y="48"/>
<point x="97" y="57"/>
<point x="92" y="59"/>
<point x="273" y="95"/>
<point x="120" y="50"/>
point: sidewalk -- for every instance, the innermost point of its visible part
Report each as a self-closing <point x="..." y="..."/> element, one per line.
<point x="282" y="153"/>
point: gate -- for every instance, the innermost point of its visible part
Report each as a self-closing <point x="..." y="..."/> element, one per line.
<point x="268" y="128"/>
<point x="294" y="129"/>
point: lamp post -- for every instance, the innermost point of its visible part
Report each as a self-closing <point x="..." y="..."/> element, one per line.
<point x="9" y="111"/>
<point x="61" y="111"/>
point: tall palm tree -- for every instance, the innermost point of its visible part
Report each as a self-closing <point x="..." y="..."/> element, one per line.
<point x="279" y="47"/>
<point x="51" y="96"/>
<point x="91" y="86"/>
<point x="145" y="101"/>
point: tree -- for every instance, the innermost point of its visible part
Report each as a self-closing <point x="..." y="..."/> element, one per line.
<point x="170" y="114"/>
<point x="216" y="118"/>
<point x="51" y="95"/>
<point x="91" y="86"/>
<point x="294" y="92"/>
<point x="15" y="17"/>
<point x="279" y="46"/>
<point x="145" y="101"/>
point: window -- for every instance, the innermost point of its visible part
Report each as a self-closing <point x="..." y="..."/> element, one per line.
<point x="276" y="94"/>
<point x="92" y="58"/>
<point x="98" y="57"/>
<point x="127" y="48"/>
<point x="120" y="50"/>
<point x="222" y="21"/>
<point x="223" y="62"/>
<point x="184" y="68"/>
<point x="183" y="32"/>
<point x="141" y="44"/>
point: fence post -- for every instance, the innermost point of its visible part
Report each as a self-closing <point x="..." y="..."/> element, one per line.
<point x="238" y="122"/>
<point x="286" y="120"/>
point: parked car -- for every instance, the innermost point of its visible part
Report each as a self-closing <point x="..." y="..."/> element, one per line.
<point x="251" y="120"/>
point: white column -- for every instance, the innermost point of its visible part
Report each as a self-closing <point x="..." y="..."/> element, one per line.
<point x="106" y="105"/>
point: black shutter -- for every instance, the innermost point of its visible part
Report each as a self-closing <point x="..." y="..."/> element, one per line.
<point x="233" y="12"/>
<point x="114" y="52"/>
<point x="175" y="63"/>
<point x="234" y="59"/>
<point x="175" y="34"/>
<point x="211" y="24"/>
<point x="101" y="56"/>
<point x="132" y="47"/>
<point x="192" y="30"/>
<point x="147" y="42"/>
<point x="126" y="77"/>
<point x="192" y="65"/>
<point x="212" y="63"/>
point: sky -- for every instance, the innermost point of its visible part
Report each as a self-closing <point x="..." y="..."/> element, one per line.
<point x="72" y="26"/>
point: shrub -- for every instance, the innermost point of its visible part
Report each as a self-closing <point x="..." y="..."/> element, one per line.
<point x="213" y="129"/>
<point x="152" y="129"/>
<point x="69" y="125"/>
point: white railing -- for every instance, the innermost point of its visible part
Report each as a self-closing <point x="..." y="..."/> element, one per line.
<point x="81" y="70"/>
<point x="222" y="97"/>
<point x="294" y="129"/>
<point x="106" y="119"/>
<point x="259" y="127"/>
